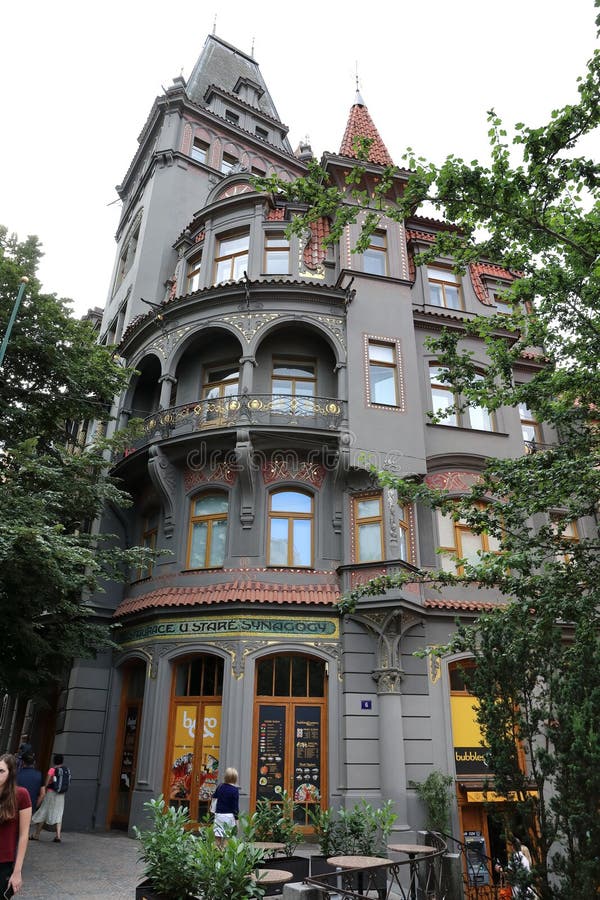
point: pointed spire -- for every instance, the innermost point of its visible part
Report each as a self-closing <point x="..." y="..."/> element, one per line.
<point x="360" y="124"/>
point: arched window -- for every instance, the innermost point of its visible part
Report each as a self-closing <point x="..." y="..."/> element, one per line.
<point x="208" y="531"/>
<point x="290" y="528"/>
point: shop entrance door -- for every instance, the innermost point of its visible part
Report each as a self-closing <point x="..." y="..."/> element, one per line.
<point x="195" y="735"/>
<point x="125" y="765"/>
<point x="289" y="747"/>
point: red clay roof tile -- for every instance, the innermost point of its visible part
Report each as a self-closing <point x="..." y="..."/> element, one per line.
<point x="466" y="605"/>
<point x="231" y="592"/>
<point x="360" y="124"/>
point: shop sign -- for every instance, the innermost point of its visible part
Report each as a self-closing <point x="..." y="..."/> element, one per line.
<point x="231" y="626"/>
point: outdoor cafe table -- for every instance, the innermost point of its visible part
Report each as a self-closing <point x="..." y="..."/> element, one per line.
<point x="412" y="850"/>
<point x="272" y="876"/>
<point x="270" y="847"/>
<point x="361" y="863"/>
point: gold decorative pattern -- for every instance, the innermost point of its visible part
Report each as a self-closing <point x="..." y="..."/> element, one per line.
<point x="249" y="324"/>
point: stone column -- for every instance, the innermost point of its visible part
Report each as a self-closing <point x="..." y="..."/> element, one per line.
<point x="391" y="742"/>
<point x="247" y="364"/>
<point x="166" y="382"/>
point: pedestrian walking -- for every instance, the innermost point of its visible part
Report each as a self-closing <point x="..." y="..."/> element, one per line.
<point x="227" y="806"/>
<point x="32" y="780"/>
<point x="15" y="816"/>
<point x="53" y="805"/>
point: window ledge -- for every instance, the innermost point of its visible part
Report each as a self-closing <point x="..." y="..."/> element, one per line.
<point x="467" y="430"/>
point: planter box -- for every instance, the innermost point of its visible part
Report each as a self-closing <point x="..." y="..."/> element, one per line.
<point x="145" y="891"/>
<point x="297" y="865"/>
<point x="320" y="866"/>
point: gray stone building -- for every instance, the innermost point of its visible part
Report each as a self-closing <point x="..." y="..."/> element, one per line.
<point x="272" y="375"/>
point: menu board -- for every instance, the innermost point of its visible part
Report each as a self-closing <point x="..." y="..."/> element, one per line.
<point x="307" y="755"/>
<point x="271" y="744"/>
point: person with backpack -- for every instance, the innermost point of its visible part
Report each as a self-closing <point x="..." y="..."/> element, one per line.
<point x="53" y="805"/>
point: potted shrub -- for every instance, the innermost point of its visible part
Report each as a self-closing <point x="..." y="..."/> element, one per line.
<point x="167" y="854"/>
<point x="358" y="831"/>
<point x="325" y="828"/>
<point x="180" y="865"/>
<point x="437" y="797"/>
<point x="275" y="822"/>
<point x="364" y="831"/>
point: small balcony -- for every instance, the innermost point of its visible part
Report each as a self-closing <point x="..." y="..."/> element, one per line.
<point x="247" y="410"/>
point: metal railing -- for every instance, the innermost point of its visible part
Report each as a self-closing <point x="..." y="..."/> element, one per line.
<point x="277" y="410"/>
<point x="421" y="878"/>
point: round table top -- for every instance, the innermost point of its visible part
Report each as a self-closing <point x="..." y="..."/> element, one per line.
<point x="268" y="845"/>
<point x="359" y="862"/>
<point x="272" y="876"/>
<point x="410" y="848"/>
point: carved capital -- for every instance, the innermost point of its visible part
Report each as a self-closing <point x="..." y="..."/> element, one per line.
<point x="389" y="681"/>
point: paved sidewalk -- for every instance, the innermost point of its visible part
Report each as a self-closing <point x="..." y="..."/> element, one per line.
<point x="90" y="865"/>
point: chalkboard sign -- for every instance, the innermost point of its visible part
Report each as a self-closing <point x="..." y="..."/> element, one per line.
<point x="307" y="754"/>
<point x="271" y="745"/>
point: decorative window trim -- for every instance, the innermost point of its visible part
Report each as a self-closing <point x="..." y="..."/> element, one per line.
<point x="400" y="406"/>
<point x="288" y="515"/>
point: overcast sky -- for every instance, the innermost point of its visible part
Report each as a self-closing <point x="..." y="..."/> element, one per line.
<point x="78" y="80"/>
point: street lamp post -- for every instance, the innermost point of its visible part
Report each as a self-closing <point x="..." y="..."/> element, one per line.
<point x="13" y="316"/>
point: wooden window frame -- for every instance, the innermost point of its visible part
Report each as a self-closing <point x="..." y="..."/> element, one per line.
<point x="374" y="251"/>
<point x="290" y="516"/>
<point x="459" y="418"/>
<point x="208" y="385"/>
<point x="459" y="528"/>
<point x="209" y="518"/>
<point x="294" y="379"/>
<point x="194" y="270"/>
<point x="230" y="256"/>
<point x="149" y="538"/>
<point x="529" y="421"/>
<point x="358" y="521"/>
<point x="276" y="235"/>
<point x="572" y="539"/>
<point x="443" y="284"/>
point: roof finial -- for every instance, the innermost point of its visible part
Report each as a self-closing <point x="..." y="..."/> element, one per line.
<point x="252" y="49"/>
<point x="215" y="24"/>
<point x="358" y="100"/>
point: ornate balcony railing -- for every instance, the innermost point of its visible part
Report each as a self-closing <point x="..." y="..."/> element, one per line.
<point x="276" y="410"/>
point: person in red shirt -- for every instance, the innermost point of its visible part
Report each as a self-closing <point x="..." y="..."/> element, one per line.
<point x="15" y="816"/>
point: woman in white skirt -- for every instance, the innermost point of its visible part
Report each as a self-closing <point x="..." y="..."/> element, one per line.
<point x="50" y="811"/>
<point x="227" y="796"/>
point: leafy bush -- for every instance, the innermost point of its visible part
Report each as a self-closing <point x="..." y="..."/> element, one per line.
<point x="361" y="830"/>
<point x="168" y="851"/>
<point x="181" y="865"/>
<point x="275" y="822"/>
<point x="435" y="794"/>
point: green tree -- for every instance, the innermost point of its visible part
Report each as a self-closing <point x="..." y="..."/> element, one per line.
<point x="51" y="489"/>
<point x="534" y="209"/>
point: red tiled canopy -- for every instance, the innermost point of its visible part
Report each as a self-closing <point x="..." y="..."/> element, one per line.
<point x="231" y="592"/>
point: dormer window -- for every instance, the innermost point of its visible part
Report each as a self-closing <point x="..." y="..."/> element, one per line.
<point x="444" y="288"/>
<point x="261" y="133"/>
<point x="232" y="117"/>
